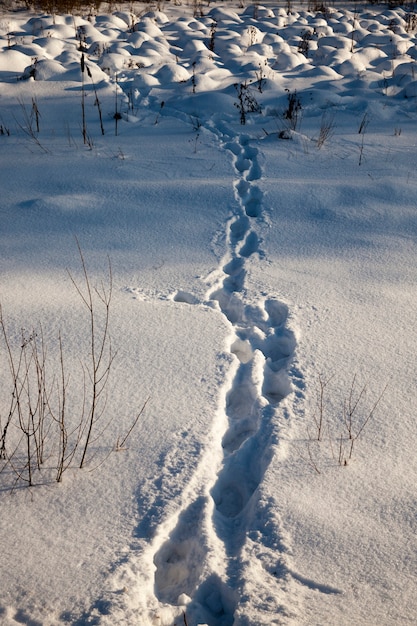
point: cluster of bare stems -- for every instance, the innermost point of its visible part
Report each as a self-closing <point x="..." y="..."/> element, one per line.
<point x="341" y="433"/>
<point x="44" y="429"/>
<point x="30" y="125"/>
<point x="327" y="126"/>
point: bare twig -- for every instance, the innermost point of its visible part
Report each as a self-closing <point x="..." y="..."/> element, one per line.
<point x="318" y="415"/>
<point x="121" y="442"/>
<point x="27" y="126"/>
<point x="101" y="355"/>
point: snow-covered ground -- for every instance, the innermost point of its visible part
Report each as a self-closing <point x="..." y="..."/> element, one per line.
<point x="257" y="200"/>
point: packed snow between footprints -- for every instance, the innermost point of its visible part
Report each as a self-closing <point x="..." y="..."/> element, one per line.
<point x="249" y="172"/>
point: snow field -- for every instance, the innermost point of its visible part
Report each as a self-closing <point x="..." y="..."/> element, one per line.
<point x="245" y="265"/>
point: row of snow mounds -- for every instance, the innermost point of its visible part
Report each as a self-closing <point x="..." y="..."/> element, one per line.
<point x="211" y="52"/>
<point x="46" y="47"/>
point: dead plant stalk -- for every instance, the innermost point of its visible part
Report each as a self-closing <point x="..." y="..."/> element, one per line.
<point x="101" y="354"/>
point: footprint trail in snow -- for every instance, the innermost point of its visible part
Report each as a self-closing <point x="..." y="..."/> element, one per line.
<point x="200" y="563"/>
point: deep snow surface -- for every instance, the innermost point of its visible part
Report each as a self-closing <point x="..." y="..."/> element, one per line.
<point x="252" y="263"/>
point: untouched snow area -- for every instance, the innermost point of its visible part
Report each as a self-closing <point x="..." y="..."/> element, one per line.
<point x="255" y="192"/>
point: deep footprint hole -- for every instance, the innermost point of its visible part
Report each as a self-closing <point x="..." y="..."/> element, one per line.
<point x="216" y="603"/>
<point x="253" y="208"/>
<point x="239" y="229"/>
<point x="250" y="246"/>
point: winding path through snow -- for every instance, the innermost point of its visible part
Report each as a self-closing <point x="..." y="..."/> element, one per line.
<point x="199" y="563"/>
<point x="195" y="563"/>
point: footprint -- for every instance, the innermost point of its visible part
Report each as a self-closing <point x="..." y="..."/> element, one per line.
<point x="238" y="229"/>
<point x="242" y="164"/>
<point x="22" y="617"/>
<point x="258" y="322"/>
<point x="276" y="385"/>
<point x="253" y="208"/>
<point x="234" y="266"/>
<point x="236" y="274"/>
<point x="242" y="400"/>
<point x="243" y="405"/>
<point x="253" y="203"/>
<point x="250" y="246"/>
<point x="235" y="485"/>
<point x="230" y="498"/>
<point x="185" y="296"/>
<point x="242" y="349"/>
<point x="237" y="434"/>
<point x="244" y="141"/>
<point x="242" y="188"/>
<point x="279" y="345"/>
<point x="180" y="559"/>
<point x="217" y="603"/>
<point x="255" y="172"/>
<point x="235" y="282"/>
<point x="277" y="312"/>
<point x="230" y="305"/>
<point x="234" y="147"/>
